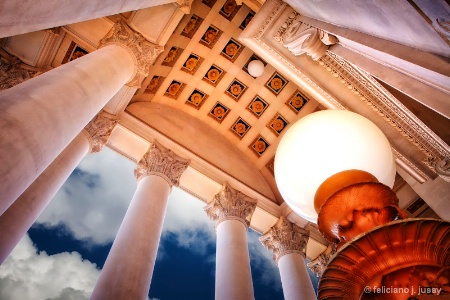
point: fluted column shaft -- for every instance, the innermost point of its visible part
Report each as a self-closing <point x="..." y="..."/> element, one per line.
<point x="41" y="116"/>
<point x="129" y="267"/>
<point x="21" y="215"/>
<point x="288" y="243"/>
<point x="295" y="278"/>
<point x="32" y="15"/>
<point x="233" y="274"/>
<point x="232" y="210"/>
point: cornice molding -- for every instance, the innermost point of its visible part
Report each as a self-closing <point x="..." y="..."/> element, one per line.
<point x="392" y="111"/>
<point x="231" y="204"/>
<point x="162" y="162"/>
<point x="285" y="238"/>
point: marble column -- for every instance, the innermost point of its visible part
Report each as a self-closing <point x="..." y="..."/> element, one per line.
<point x="128" y="269"/>
<point x="33" y="15"/>
<point x="19" y="217"/>
<point x="41" y="116"/>
<point x="232" y="210"/>
<point x="288" y="243"/>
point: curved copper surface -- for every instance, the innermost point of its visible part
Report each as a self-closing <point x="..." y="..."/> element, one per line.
<point x="382" y="250"/>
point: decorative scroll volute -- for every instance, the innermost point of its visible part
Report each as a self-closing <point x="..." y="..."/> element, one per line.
<point x="301" y="38"/>
<point x="143" y="51"/>
<point x="185" y="6"/>
<point x="99" y="130"/>
<point x="231" y="204"/>
<point x="284" y="238"/>
<point x="161" y="162"/>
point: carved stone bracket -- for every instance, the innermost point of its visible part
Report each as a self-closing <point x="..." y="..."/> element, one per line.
<point x="99" y="130"/>
<point x="143" y="51"/>
<point x="185" y="6"/>
<point x="284" y="238"/>
<point x="162" y="162"/>
<point x="13" y="71"/>
<point x="319" y="264"/>
<point x="301" y="38"/>
<point x="231" y="204"/>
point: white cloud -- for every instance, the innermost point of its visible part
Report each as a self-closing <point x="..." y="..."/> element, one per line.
<point x="26" y="274"/>
<point x="93" y="201"/>
<point x="262" y="263"/>
<point x="188" y="223"/>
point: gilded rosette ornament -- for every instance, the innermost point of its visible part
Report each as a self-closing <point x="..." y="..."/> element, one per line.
<point x="285" y="238"/>
<point x="99" y="130"/>
<point x="143" y="51"/>
<point x="231" y="204"/>
<point x="161" y="162"/>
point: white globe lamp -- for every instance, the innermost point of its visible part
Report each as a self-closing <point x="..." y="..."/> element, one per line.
<point x="256" y="68"/>
<point x="323" y="144"/>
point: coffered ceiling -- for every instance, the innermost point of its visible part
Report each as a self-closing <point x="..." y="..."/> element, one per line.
<point x="203" y="73"/>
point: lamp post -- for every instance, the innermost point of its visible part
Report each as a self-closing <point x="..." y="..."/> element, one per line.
<point x="336" y="168"/>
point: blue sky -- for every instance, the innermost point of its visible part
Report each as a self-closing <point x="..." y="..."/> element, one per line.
<point x="61" y="256"/>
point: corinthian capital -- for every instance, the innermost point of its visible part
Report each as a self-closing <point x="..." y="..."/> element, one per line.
<point x="161" y="162"/>
<point x="13" y="71"/>
<point x="143" y="51"/>
<point x="231" y="204"/>
<point x="99" y="130"/>
<point x="319" y="264"/>
<point x="284" y="238"/>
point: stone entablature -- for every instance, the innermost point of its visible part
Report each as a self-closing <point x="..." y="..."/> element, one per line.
<point x="99" y="130"/>
<point x="231" y="204"/>
<point x="144" y="52"/>
<point x="285" y="238"/>
<point x="162" y="162"/>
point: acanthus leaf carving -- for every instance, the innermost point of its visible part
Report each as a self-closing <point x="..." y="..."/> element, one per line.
<point x="13" y="71"/>
<point x="319" y="264"/>
<point x="99" y="130"/>
<point x="284" y="238"/>
<point x="162" y="162"/>
<point x="144" y="52"/>
<point x="231" y="204"/>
